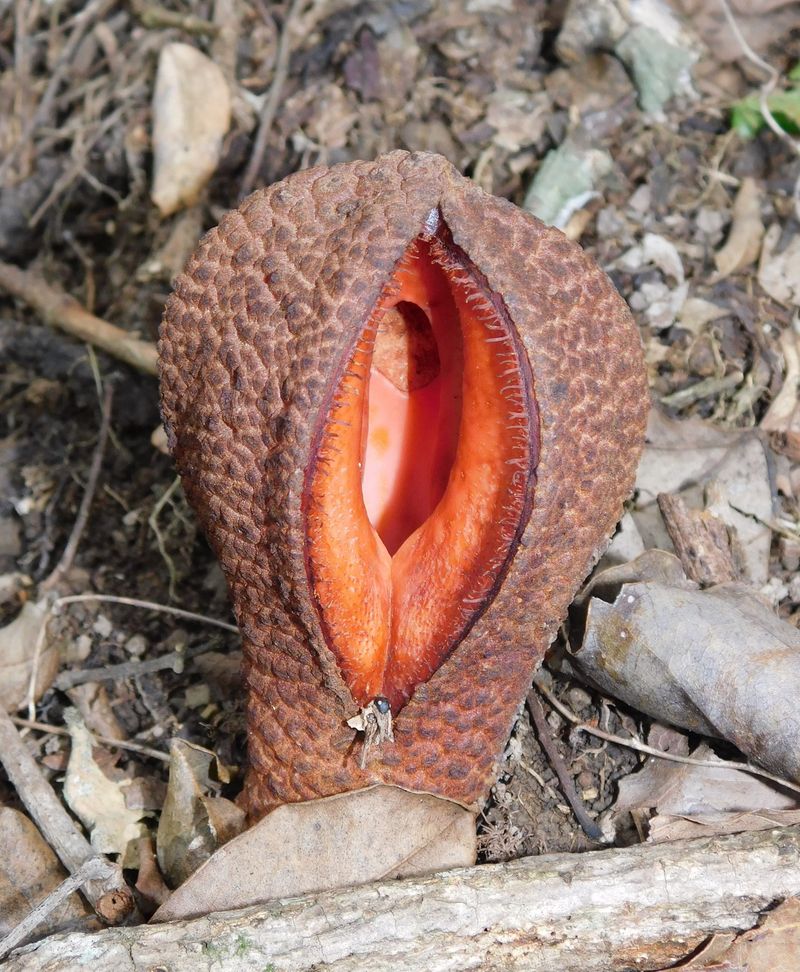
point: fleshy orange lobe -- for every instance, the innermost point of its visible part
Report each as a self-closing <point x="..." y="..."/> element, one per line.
<point x="420" y="484"/>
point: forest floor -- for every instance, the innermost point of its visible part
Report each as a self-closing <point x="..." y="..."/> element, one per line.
<point x="698" y="226"/>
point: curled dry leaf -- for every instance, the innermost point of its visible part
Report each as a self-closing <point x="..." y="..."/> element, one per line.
<point x="388" y="833"/>
<point x="97" y="800"/>
<point x="717" y="662"/>
<point x="191" y="115"/>
<point x="744" y="239"/>
<point x="193" y="824"/>
<point x="18" y="640"/>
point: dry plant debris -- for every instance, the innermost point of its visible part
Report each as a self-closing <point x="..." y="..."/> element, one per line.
<point x="698" y="227"/>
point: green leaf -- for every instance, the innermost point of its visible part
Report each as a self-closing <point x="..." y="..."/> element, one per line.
<point x="794" y="74"/>
<point x="747" y="120"/>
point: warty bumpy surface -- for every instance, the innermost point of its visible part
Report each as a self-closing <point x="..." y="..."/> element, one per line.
<point x="253" y="342"/>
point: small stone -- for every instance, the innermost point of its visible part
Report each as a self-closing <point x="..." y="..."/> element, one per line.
<point x="136" y="645"/>
<point x="102" y="626"/>
<point x="578" y="698"/>
<point x="198" y="695"/>
<point x="79" y="649"/>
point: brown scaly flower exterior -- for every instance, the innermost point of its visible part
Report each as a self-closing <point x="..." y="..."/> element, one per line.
<point x="270" y="305"/>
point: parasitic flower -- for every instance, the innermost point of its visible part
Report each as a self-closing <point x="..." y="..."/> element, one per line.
<point x="407" y="414"/>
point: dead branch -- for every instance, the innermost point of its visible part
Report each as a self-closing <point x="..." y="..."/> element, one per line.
<point x="58" y="309"/>
<point x="640" y="907"/>
<point x="56" y="825"/>
<point x="590" y="828"/>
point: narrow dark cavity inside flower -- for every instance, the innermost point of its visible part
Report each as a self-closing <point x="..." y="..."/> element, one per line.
<point x="421" y="483"/>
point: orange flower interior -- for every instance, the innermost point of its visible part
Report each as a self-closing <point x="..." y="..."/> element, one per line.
<point x="423" y="474"/>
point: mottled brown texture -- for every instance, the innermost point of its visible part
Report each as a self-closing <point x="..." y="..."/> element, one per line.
<point x="253" y="343"/>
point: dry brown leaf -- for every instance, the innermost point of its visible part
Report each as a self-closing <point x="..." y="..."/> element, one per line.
<point x="774" y="946"/>
<point x="744" y="239"/>
<point x="779" y="272"/>
<point x="97" y="800"/>
<point x="716" y="662"/>
<point x="666" y="827"/>
<point x="691" y="800"/>
<point x="29" y="870"/>
<point x="192" y="825"/>
<point x="191" y="116"/>
<point x="18" y="641"/>
<point x="368" y="835"/>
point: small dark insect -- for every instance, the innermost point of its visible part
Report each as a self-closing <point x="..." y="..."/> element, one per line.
<point x="381" y="704"/>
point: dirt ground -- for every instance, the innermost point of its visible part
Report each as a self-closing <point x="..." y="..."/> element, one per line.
<point x="488" y="84"/>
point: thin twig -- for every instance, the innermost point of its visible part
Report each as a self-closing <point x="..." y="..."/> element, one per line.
<point x="765" y="91"/>
<point x="632" y="743"/>
<point x="71" y="549"/>
<point x="55" y="824"/>
<point x="132" y="669"/>
<point x="590" y="828"/>
<point x="147" y="605"/>
<point x="83" y="21"/>
<point x="134" y="747"/>
<point x="152" y="522"/>
<point x="153" y="16"/>
<point x="272" y="100"/>
<point x="95" y="869"/>
<point x="60" y="310"/>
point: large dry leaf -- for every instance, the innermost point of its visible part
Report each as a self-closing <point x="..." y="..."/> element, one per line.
<point x="353" y="838"/>
<point x="29" y="870"/>
<point x="18" y="641"/>
<point x="192" y="824"/>
<point x="191" y="116"/>
<point x="744" y="239"/>
<point x="97" y="800"/>
<point x="717" y="662"/>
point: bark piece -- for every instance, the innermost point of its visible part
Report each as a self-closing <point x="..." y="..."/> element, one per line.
<point x="701" y="540"/>
<point x="608" y="911"/>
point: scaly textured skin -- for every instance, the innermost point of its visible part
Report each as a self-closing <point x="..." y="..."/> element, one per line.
<point x="253" y="343"/>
